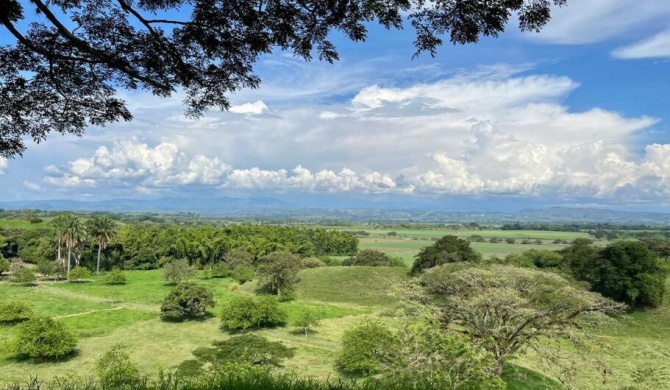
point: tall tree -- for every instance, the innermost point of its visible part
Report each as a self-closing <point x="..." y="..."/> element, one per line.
<point x="102" y="229"/>
<point x="508" y="309"/>
<point x="75" y="232"/>
<point x="59" y="224"/>
<point x="62" y="71"/>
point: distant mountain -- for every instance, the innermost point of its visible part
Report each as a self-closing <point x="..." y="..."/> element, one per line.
<point x="274" y="209"/>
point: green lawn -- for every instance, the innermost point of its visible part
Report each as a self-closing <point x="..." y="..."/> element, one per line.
<point x="102" y="316"/>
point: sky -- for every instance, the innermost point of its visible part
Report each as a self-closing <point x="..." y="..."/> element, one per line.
<point x="577" y="115"/>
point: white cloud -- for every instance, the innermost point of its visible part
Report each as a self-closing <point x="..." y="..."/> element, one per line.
<point x="657" y="46"/>
<point x="132" y="163"/>
<point x="494" y="130"/>
<point x="3" y="165"/>
<point x="591" y="21"/>
<point x="255" y="108"/>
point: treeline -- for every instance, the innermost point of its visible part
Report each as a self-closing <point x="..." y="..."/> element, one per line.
<point x="148" y="246"/>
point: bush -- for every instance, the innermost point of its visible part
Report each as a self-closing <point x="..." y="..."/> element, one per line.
<point x="240" y="350"/>
<point x="177" y="271"/>
<point x="43" y="338"/>
<point x="371" y="258"/>
<point x="13" y="312"/>
<point x="448" y="249"/>
<point x="4" y="265"/>
<point x="366" y="349"/>
<point x="115" y="276"/>
<point x="313" y="262"/>
<point x="79" y="274"/>
<point x="510" y="241"/>
<point x="50" y="268"/>
<point x="20" y="273"/>
<point x="305" y="321"/>
<point x="495" y="240"/>
<point x="238" y="257"/>
<point x="332" y="262"/>
<point x="186" y="301"/>
<point x="114" y="368"/>
<point x="248" y="312"/>
<point x="243" y="274"/>
<point x="220" y="270"/>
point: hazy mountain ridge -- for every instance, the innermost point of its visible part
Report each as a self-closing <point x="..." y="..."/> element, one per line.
<point x="270" y="208"/>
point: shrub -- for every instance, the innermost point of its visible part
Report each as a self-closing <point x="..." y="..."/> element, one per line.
<point x="177" y="271"/>
<point x="13" y="312"/>
<point x="43" y="338"/>
<point x="243" y="274"/>
<point x="371" y="258"/>
<point x="115" y="276"/>
<point x="79" y="274"/>
<point x="305" y="321"/>
<point x="249" y="312"/>
<point x="366" y="349"/>
<point x="114" y="368"/>
<point x="510" y="241"/>
<point x="495" y="240"/>
<point x="313" y="262"/>
<point x="525" y="241"/>
<point x="186" y="301"/>
<point x="220" y="270"/>
<point x="234" y="286"/>
<point x="244" y="349"/>
<point x="332" y="262"/>
<point x="4" y="265"/>
<point x="448" y="249"/>
<point x="20" y="273"/>
<point x="49" y="268"/>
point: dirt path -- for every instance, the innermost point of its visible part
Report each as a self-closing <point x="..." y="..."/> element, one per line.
<point x="117" y="303"/>
<point x="88" y="312"/>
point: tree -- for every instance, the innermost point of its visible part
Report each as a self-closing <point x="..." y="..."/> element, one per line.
<point x="240" y="350"/>
<point x="114" y="368"/>
<point x="177" y="271"/>
<point x="372" y="257"/>
<point x="278" y="272"/>
<point x="628" y="272"/>
<point x="306" y="320"/>
<point x="506" y="309"/>
<point x="59" y="223"/>
<point x="4" y="265"/>
<point x="448" y="249"/>
<point x="43" y="338"/>
<point x="186" y="301"/>
<point x="62" y="71"/>
<point x="74" y="233"/>
<point x="244" y="312"/>
<point x="366" y="349"/>
<point x="102" y="229"/>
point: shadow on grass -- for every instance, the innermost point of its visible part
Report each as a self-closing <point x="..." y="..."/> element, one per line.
<point x="23" y="358"/>
<point x="303" y="332"/>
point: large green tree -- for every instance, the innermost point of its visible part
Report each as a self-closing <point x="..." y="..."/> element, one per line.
<point x="278" y="272"/>
<point x="102" y="229"/>
<point x="508" y="309"/>
<point x="448" y="249"/>
<point x="61" y="72"/>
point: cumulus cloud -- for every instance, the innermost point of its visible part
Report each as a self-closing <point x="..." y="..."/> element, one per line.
<point x="496" y="130"/>
<point x="657" y="46"/>
<point x="255" y="108"/>
<point x="133" y="163"/>
<point x="31" y="185"/>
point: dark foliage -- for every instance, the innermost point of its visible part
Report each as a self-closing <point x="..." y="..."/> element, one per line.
<point x="62" y="71"/>
<point x="448" y="249"/>
<point x="245" y="312"/>
<point x="186" y="301"/>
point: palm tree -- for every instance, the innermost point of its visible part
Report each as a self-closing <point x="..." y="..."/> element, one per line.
<point x="59" y="224"/>
<point x="102" y="229"/>
<point x="75" y="232"/>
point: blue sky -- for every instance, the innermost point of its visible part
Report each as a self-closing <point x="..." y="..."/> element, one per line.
<point x="576" y="116"/>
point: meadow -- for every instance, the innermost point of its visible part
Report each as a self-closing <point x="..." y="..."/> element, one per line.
<point x="101" y="316"/>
